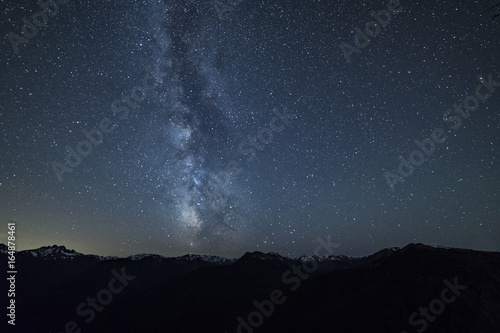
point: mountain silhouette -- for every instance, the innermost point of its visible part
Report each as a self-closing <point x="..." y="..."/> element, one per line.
<point x="412" y="289"/>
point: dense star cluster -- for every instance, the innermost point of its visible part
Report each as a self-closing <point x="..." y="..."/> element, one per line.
<point x="222" y="127"/>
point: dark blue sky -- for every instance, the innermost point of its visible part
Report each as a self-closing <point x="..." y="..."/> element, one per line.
<point x="172" y="96"/>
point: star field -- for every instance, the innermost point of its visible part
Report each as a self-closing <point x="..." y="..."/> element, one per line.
<point x="178" y="127"/>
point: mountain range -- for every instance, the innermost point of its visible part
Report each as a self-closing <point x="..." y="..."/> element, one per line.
<point x="412" y="289"/>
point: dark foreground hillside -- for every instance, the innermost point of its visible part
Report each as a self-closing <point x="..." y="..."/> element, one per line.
<point x="414" y="289"/>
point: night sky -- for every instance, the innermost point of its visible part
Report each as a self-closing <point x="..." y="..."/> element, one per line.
<point x="178" y="127"/>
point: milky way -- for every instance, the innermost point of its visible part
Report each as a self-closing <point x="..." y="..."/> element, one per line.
<point x="194" y="121"/>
